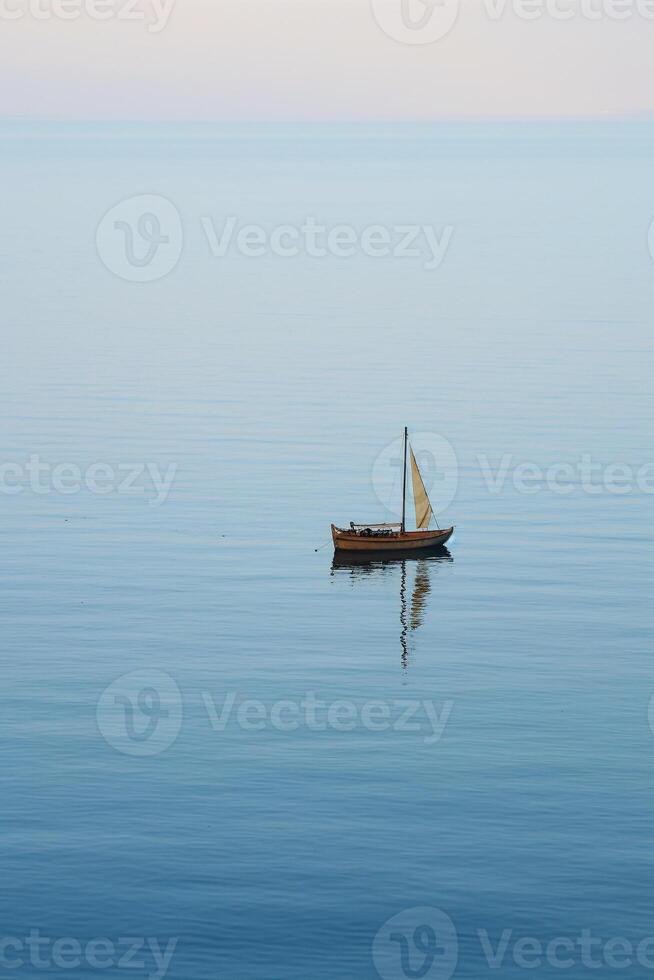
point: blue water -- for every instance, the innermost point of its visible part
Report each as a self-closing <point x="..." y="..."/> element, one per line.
<point x="271" y="385"/>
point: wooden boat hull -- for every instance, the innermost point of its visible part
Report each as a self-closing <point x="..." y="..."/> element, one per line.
<point x="407" y="541"/>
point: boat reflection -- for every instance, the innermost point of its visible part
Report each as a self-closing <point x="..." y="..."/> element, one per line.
<point x="360" y="566"/>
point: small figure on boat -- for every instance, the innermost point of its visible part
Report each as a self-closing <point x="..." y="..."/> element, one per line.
<point x="395" y="537"/>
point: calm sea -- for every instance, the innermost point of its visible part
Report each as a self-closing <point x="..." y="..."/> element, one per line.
<point x="211" y="733"/>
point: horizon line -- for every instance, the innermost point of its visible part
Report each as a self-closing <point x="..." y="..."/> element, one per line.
<point x="349" y="121"/>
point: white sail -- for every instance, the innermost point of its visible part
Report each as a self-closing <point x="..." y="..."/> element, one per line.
<point x="424" y="512"/>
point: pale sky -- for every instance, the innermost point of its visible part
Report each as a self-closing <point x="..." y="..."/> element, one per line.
<point x="325" y="59"/>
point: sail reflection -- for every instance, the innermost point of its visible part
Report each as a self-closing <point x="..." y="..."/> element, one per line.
<point x="421" y="589"/>
<point x="360" y="566"/>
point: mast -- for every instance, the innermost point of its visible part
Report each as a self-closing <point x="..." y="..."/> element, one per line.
<point x="406" y="436"/>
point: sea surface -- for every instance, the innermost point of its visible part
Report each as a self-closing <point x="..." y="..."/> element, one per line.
<point x="220" y="742"/>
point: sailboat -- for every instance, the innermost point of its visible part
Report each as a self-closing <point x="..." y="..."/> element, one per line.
<point x="395" y="537"/>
